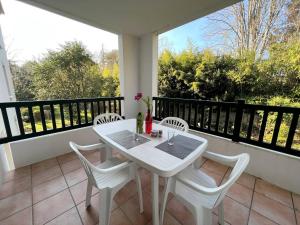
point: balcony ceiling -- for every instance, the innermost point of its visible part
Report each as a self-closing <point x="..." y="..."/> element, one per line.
<point x="135" y="17"/>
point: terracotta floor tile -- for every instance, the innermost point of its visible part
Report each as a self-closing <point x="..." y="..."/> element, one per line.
<point x="49" y="188"/>
<point x="132" y="210"/>
<point x="17" y="173"/>
<point x="75" y="177"/>
<point x="70" y="166"/>
<point x="70" y="217"/>
<point x="119" y="218"/>
<point x="241" y="194"/>
<point x="216" y="220"/>
<point x="43" y="165"/>
<point x="93" y="157"/>
<point x="298" y="217"/>
<point x="274" y="192"/>
<point x="90" y="215"/>
<point x="147" y="190"/>
<point x="145" y="176"/>
<point x="126" y="193"/>
<point x="273" y="210"/>
<point x="23" y="217"/>
<point x="54" y="203"/>
<point x="245" y="179"/>
<point x="15" y="186"/>
<point x="15" y="203"/>
<point x="180" y="212"/>
<point x="215" y="167"/>
<point x="296" y="200"/>
<point x="87" y="153"/>
<point x="78" y="192"/>
<point x="66" y="157"/>
<point x="215" y="176"/>
<point x="257" y="219"/>
<point x="234" y="212"/>
<point x="46" y="175"/>
<point x="50" y="208"/>
<point x="169" y="220"/>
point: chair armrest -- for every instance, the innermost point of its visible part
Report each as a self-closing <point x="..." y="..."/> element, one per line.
<point x="199" y="188"/>
<point x="219" y="157"/>
<point x="114" y="168"/>
<point x="91" y="147"/>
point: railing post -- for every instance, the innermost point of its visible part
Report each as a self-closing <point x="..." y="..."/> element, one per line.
<point x="238" y="120"/>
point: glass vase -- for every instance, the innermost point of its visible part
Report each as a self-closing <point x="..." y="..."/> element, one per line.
<point x="148" y="122"/>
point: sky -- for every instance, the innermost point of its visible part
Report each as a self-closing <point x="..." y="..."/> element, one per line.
<point x="29" y="32"/>
<point x="198" y="32"/>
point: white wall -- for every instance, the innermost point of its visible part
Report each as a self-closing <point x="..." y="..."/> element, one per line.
<point x="129" y="73"/>
<point x="7" y="94"/>
<point x="138" y="69"/>
<point x="148" y="66"/>
<point x="28" y="151"/>
<point x="6" y="85"/>
<point x="276" y="168"/>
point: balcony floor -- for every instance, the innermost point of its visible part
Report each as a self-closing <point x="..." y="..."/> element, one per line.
<point x="53" y="192"/>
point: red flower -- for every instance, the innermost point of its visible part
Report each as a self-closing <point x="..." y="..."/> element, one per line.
<point x="138" y="96"/>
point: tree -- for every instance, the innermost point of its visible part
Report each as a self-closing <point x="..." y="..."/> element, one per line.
<point x="284" y="65"/>
<point x="293" y="20"/>
<point x="111" y="84"/>
<point x="68" y="73"/>
<point x="212" y="80"/>
<point x="250" y="24"/>
<point x="176" y="73"/>
<point x="23" y="80"/>
<point x="194" y="74"/>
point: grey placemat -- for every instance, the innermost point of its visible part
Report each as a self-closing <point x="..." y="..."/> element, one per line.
<point x="128" y="139"/>
<point x="182" y="146"/>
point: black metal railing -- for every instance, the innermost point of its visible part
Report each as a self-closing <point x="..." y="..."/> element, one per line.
<point x="36" y="118"/>
<point x="272" y="127"/>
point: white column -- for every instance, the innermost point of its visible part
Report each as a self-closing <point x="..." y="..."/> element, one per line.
<point x="138" y="69"/>
<point x="148" y="65"/>
<point x="7" y="94"/>
<point x="129" y="73"/>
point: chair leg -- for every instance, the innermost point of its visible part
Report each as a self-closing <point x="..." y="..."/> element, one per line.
<point x="139" y="189"/>
<point x="105" y="206"/>
<point x="221" y="213"/>
<point x="167" y="189"/>
<point x="88" y="194"/>
<point x="203" y="216"/>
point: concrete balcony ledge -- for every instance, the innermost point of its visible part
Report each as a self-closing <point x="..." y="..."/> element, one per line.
<point x="276" y="168"/>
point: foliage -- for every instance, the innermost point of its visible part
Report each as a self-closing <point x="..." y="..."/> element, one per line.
<point x="69" y="72"/>
<point x="195" y="74"/>
<point x="22" y="78"/>
<point x="212" y="80"/>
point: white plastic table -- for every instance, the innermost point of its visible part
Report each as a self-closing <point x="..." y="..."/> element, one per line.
<point x="158" y="162"/>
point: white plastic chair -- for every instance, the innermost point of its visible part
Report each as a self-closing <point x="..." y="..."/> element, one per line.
<point x="109" y="177"/>
<point x="199" y="192"/>
<point x="176" y="123"/>
<point x="106" y="118"/>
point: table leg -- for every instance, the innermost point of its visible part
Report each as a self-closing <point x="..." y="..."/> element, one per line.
<point x="155" y="199"/>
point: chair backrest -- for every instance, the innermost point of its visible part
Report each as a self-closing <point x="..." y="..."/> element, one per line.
<point x="107" y="118"/>
<point x="241" y="164"/>
<point x="176" y="123"/>
<point x="88" y="167"/>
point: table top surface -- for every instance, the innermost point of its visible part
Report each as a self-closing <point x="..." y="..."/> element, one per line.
<point x="146" y="155"/>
